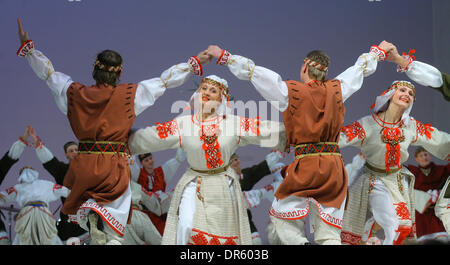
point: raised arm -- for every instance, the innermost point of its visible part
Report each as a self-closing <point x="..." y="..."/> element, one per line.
<point x="267" y="82"/>
<point x="366" y="64"/>
<point x="421" y="73"/>
<point x="148" y="91"/>
<point x="43" y="68"/>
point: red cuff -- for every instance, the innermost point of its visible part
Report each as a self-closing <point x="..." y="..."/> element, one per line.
<point x="23" y="141"/>
<point x="26" y="48"/>
<point x="401" y="69"/>
<point x="223" y="59"/>
<point x="382" y="54"/>
<point x="196" y="66"/>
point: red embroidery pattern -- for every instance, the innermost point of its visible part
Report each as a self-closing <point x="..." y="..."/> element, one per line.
<point x="196" y="66"/>
<point x="170" y="127"/>
<point x="350" y="238"/>
<point x="402" y="211"/>
<point x="203" y="238"/>
<point x="250" y="124"/>
<point x="211" y="145"/>
<point x="223" y="59"/>
<point x="11" y="190"/>
<point x="403" y="232"/>
<point x="354" y="130"/>
<point x="392" y="137"/>
<point x="56" y="187"/>
<point x="424" y="129"/>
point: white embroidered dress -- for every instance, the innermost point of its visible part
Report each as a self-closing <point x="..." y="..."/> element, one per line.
<point x="208" y="208"/>
<point x="389" y="195"/>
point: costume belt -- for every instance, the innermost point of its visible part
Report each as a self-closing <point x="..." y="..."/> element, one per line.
<point x="36" y="204"/>
<point x="317" y="149"/>
<point x="379" y="170"/>
<point x="103" y="147"/>
<point x="209" y="172"/>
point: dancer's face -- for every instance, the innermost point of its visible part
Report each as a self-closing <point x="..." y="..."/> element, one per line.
<point x="211" y="96"/>
<point x="403" y="97"/>
<point x="71" y="152"/>
<point x="423" y="158"/>
<point x="235" y="163"/>
<point x="148" y="163"/>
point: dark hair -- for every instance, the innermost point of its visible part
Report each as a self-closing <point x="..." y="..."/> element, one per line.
<point x="322" y="58"/>
<point x="419" y="149"/>
<point x="66" y="145"/>
<point x="143" y="156"/>
<point x="108" y="58"/>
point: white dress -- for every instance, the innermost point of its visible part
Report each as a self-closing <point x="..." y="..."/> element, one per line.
<point x="208" y="208"/>
<point x="389" y="195"/>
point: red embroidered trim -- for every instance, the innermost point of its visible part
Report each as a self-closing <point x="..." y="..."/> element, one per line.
<point x="195" y="65"/>
<point x="424" y="129"/>
<point x="350" y="238"/>
<point x="403" y="232"/>
<point x="392" y="137"/>
<point x="26" y="48"/>
<point x="354" y="130"/>
<point x="203" y="238"/>
<point x="11" y="190"/>
<point x="250" y="124"/>
<point x="56" y="187"/>
<point x="106" y="216"/>
<point x="379" y="52"/>
<point x="211" y="145"/>
<point x="223" y="59"/>
<point x="410" y="56"/>
<point x="23" y="141"/>
<point x="164" y="129"/>
<point x="402" y="211"/>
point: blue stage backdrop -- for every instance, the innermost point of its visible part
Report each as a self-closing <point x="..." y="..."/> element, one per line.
<point x="154" y="35"/>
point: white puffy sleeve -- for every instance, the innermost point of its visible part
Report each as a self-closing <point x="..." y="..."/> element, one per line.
<point x="56" y="81"/>
<point x="16" y="150"/>
<point x="424" y="74"/>
<point x="434" y="141"/>
<point x="267" y="82"/>
<point x="162" y="136"/>
<point x="352" y="78"/>
<point x="353" y="134"/>
<point x="148" y="91"/>
<point x="270" y="134"/>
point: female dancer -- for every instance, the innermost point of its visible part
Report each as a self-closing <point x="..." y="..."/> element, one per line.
<point x="207" y="205"/>
<point x="386" y="187"/>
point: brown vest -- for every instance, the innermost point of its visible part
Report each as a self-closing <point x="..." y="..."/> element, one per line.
<point x="98" y="113"/>
<point x="315" y="114"/>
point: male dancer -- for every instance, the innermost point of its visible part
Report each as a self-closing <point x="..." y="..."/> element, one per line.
<point x="101" y="117"/>
<point x="313" y="113"/>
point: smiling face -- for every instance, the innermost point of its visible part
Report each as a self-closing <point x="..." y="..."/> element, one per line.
<point x="403" y="97"/>
<point x="211" y="96"/>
